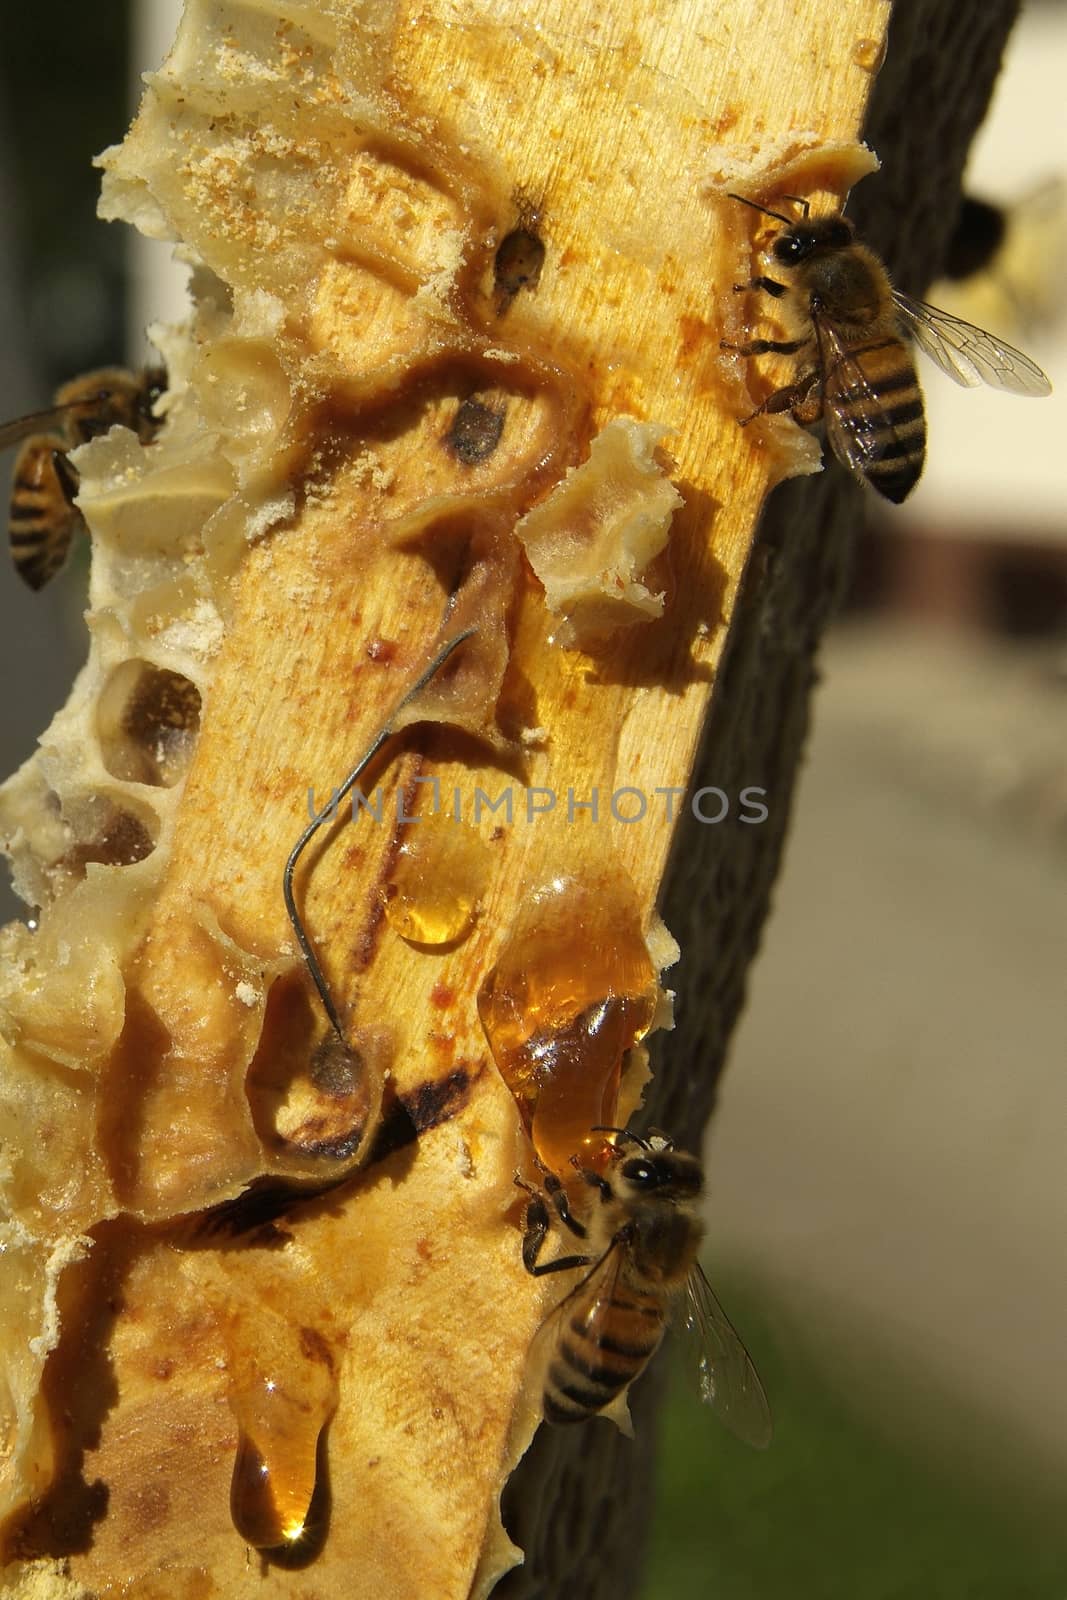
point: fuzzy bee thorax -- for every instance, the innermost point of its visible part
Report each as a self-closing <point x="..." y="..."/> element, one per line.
<point x="665" y="1239"/>
<point x="848" y="286"/>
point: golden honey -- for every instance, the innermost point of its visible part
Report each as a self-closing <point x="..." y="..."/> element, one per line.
<point x="869" y="54"/>
<point x="572" y="990"/>
<point x="438" y="880"/>
<point x="282" y="1395"/>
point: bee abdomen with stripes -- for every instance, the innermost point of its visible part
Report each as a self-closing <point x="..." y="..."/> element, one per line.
<point x="891" y="413"/>
<point x="602" y="1348"/>
<point x="42" y="520"/>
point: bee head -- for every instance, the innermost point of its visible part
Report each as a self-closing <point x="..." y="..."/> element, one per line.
<point x="109" y="409"/>
<point x="804" y="239"/>
<point x="665" y="1174"/>
<point x="97" y="402"/>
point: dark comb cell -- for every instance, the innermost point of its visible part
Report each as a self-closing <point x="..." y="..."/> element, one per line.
<point x="519" y="260"/>
<point x="148" y="719"/>
<point x="121" y="840"/>
<point x="475" y="431"/>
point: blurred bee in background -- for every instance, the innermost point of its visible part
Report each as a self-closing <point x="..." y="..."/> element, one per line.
<point x="1004" y="264"/>
<point x="640" y="1243"/>
<point x="976" y="239"/>
<point x="43" y="518"/>
<point x="844" y="316"/>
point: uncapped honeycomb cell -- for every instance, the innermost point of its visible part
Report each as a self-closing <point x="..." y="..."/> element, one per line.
<point x="108" y="832"/>
<point x="147" y="720"/>
<point x="245" y="392"/>
<point x="391" y="210"/>
<point x="314" y="1098"/>
<point x="382" y="320"/>
<point x="591" y="541"/>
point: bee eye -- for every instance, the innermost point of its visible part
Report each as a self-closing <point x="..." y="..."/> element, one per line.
<point x="642" y="1174"/>
<point x="789" y="247"/>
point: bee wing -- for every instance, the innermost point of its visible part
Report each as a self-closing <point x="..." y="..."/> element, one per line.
<point x="726" y="1377"/>
<point x="966" y="353"/>
<point x="593" y="1293"/>
<point x="37" y="422"/>
<point x="857" y="425"/>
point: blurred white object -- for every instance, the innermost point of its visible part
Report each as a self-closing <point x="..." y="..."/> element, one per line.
<point x="158" y="284"/>
<point x="996" y="464"/>
<point x="1018" y="292"/>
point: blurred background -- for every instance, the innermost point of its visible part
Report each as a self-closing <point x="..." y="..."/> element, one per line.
<point x="888" y="1181"/>
<point x="75" y="293"/>
<point x="887" y="1171"/>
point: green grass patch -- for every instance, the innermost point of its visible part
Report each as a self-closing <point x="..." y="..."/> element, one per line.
<point x="839" y="1508"/>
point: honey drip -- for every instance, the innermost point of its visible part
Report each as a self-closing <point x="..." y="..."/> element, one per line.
<point x="438" y="880"/>
<point x="573" y="989"/>
<point x="869" y="54"/>
<point x="282" y="1395"/>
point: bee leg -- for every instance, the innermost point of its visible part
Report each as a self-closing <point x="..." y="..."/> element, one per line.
<point x="560" y="1264"/>
<point x="795" y="397"/>
<point x="769" y="285"/>
<point x="69" y="480"/>
<point x="808" y="411"/>
<point x="536" y="1226"/>
<point x="558" y="1196"/>
<point x="595" y="1181"/>
<point x="535" y="1231"/>
<point x="762" y="347"/>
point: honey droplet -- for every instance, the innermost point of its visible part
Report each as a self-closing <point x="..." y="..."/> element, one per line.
<point x="573" y="989"/>
<point x="282" y="1396"/>
<point x="868" y="54"/>
<point x="265" y="1514"/>
<point x="439" y="877"/>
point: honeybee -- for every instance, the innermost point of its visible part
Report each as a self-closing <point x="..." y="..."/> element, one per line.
<point x="640" y="1246"/>
<point x="43" y="518"/>
<point x="848" y="319"/>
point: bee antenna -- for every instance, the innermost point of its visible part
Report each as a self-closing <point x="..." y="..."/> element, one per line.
<point x="329" y="811"/>
<point x="767" y="212"/>
<point x="804" y="205"/>
<point x="625" y="1133"/>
